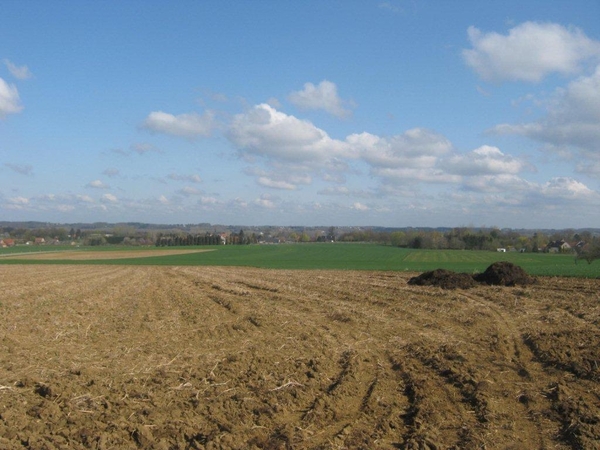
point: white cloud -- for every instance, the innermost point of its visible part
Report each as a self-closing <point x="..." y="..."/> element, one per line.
<point x="163" y="200"/>
<point x="572" y="121"/>
<point x="97" y="184"/>
<point x="110" y="198"/>
<point x="265" y="202"/>
<point x="190" y="125"/>
<point x="19" y="72"/>
<point x="529" y="52"/>
<point x="19" y="200"/>
<point x="567" y="188"/>
<point x="481" y="161"/>
<point x="360" y="207"/>
<point x="500" y="183"/>
<point x="10" y="103"/>
<point x="84" y="198"/>
<point x="268" y="182"/>
<point x="416" y="148"/>
<point x="266" y="132"/>
<point x="323" y="96"/>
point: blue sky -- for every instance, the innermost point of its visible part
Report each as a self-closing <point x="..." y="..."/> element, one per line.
<point x="392" y="113"/>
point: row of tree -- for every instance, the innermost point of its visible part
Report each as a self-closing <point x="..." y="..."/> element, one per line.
<point x="182" y="239"/>
<point x="468" y="239"/>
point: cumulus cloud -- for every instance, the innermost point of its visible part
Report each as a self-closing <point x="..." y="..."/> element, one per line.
<point x="19" y="200"/>
<point x="415" y="148"/>
<point x="84" y="198"/>
<point x="265" y="202"/>
<point x="408" y="157"/>
<point x="19" y="72"/>
<point x="572" y="120"/>
<point x="567" y="188"/>
<point x="276" y="184"/>
<point x="190" y="125"/>
<point x="323" y="96"/>
<point x="110" y="198"/>
<point x="23" y="169"/>
<point x="188" y="191"/>
<point x="10" y="103"/>
<point x="529" y="52"/>
<point x="97" y="184"/>
<point x="360" y="207"/>
<point x="481" y="161"/>
<point x="500" y="183"/>
<point x="264" y="131"/>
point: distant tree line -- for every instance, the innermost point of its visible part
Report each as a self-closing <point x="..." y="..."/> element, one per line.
<point x="464" y="238"/>
<point x="183" y="239"/>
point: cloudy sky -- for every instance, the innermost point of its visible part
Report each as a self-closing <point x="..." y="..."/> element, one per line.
<point x="392" y="113"/>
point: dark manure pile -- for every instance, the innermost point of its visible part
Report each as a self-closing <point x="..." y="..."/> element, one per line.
<point x="501" y="273"/>
<point x="504" y="273"/>
<point x="445" y="279"/>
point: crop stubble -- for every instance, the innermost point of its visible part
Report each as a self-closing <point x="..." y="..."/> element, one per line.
<point x="208" y="357"/>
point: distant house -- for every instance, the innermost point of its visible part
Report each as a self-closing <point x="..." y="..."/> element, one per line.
<point x="501" y="250"/>
<point x="7" y="243"/>
<point x="39" y="241"/>
<point x="558" y="247"/>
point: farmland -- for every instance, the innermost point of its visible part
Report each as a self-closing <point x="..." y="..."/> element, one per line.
<point x="306" y="256"/>
<point x="210" y="357"/>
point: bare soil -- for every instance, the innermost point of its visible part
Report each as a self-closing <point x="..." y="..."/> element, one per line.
<point x="126" y="357"/>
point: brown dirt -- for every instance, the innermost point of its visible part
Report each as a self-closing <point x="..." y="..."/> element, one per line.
<point x="106" y="357"/>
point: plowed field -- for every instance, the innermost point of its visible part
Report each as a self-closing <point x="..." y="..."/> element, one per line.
<point x="126" y="357"/>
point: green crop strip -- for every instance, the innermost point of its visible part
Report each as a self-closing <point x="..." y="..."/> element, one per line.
<point x="338" y="256"/>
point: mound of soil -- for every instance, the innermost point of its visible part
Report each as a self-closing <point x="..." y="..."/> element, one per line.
<point x="501" y="273"/>
<point x="445" y="279"/>
<point x="504" y="273"/>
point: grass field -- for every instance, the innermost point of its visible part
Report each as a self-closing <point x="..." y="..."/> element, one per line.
<point x="307" y="256"/>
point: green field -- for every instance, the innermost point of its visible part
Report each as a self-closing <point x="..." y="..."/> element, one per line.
<point x="332" y="256"/>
